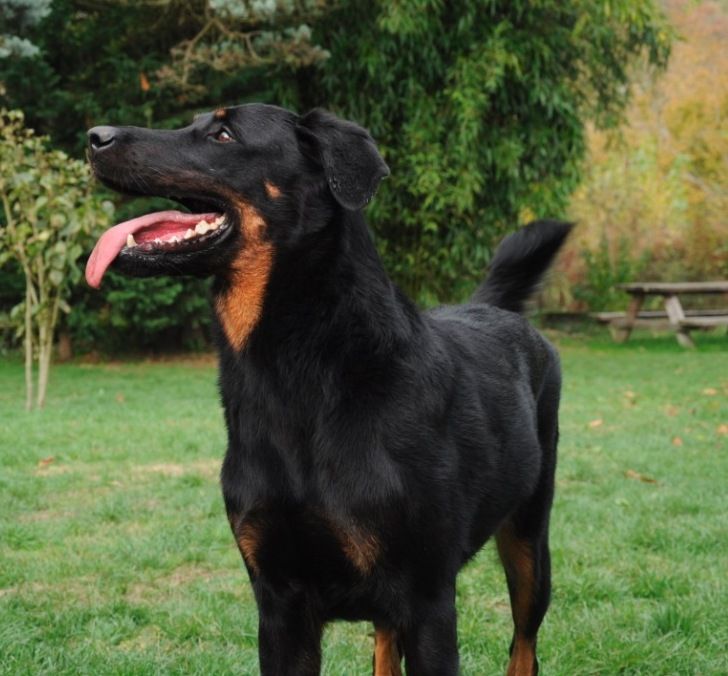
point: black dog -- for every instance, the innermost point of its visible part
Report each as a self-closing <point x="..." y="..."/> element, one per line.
<point x="372" y="448"/>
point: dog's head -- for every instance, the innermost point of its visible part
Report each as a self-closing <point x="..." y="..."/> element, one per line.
<point x="247" y="176"/>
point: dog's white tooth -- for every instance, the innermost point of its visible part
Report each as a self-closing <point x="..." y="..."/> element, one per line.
<point x="130" y="241"/>
<point x="157" y="240"/>
<point x="202" y="227"/>
<point x="190" y="233"/>
<point x="219" y="220"/>
<point x="175" y="240"/>
<point x="213" y="226"/>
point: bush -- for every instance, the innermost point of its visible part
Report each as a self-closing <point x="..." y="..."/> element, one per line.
<point x="131" y="314"/>
<point x="655" y="194"/>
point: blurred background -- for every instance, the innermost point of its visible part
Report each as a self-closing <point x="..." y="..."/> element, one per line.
<point x="612" y="114"/>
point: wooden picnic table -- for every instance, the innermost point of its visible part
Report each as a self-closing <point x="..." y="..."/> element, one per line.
<point x="676" y="317"/>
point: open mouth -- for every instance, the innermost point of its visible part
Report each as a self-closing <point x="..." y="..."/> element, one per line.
<point x="162" y="233"/>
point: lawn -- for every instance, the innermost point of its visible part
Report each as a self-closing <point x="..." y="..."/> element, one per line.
<point x="116" y="558"/>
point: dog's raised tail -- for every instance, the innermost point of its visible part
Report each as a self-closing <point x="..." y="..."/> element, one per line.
<point x="520" y="262"/>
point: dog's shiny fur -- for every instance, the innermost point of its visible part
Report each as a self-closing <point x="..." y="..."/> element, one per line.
<point x="373" y="448"/>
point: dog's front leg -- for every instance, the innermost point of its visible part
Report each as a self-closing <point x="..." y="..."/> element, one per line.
<point x="430" y="641"/>
<point x="289" y="633"/>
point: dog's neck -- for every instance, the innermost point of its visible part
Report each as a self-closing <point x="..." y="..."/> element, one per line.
<point x="324" y="296"/>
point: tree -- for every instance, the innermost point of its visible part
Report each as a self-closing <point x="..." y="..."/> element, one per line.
<point x="154" y="62"/>
<point x="660" y="182"/>
<point x="49" y="211"/>
<point x="17" y="16"/>
<point x="480" y="108"/>
<point x="128" y="62"/>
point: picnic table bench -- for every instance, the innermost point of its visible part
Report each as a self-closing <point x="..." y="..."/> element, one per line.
<point x="674" y="316"/>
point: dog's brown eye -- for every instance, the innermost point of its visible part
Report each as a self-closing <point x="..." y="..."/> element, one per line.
<point x="224" y="136"/>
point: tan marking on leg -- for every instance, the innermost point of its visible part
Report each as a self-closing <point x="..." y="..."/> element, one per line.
<point x="517" y="557"/>
<point x="387" y="660"/>
<point x="240" y="306"/>
<point x="249" y="537"/>
<point x="220" y="114"/>
<point x="273" y="191"/>
<point x="523" y="658"/>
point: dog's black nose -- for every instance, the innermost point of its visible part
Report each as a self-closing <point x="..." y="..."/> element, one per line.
<point x="101" y="137"/>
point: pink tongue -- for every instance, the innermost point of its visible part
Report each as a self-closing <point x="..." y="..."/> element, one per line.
<point x="114" y="239"/>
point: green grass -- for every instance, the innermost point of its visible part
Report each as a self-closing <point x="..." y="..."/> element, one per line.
<point x="115" y="555"/>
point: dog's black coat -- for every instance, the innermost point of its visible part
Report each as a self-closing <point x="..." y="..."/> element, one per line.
<point x="372" y="448"/>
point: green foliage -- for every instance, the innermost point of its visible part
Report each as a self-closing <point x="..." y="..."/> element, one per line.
<point x="48" y="214"/>
<point x="152" y="62"/>
<point x="479" y="106"/>
<point x="660" y="181"/>
<point x="235" y="35"/>
<point x="604" y="270"/>
<point x="16" y="16"/>
<point x="129" y="314"/>
<point x="480" y="109"/>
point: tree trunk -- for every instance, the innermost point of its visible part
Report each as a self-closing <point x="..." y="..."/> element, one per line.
<point x="28" y="350"/>
<point x="44" y="365"/>
<point x="45" y="349"/>
<point x="47" y="332"/>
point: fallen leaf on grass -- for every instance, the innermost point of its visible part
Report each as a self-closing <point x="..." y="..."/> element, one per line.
<point x="43" y="462"/>
<point x="710" y="391"/>
<point x="677" y="441"/>
<point x="629" y="394"/>
<point x="120" y="398"/>
<point x="596" y="423"/>
<point x="723" y="429"/>
<point x="631" y="474"/>
<point x="671" y="410"/>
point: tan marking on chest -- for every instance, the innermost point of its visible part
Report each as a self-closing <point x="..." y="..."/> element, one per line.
<point x="359" y="546"/>
<point x="239" y="308"/>
<point x="272" y="190"/>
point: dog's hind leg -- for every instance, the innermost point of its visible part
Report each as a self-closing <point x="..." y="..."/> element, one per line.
<point x="387" y="654"/>
<point x="524" y="549"/>
<point x="527" y="565"/>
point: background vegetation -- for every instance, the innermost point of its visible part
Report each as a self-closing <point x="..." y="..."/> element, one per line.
<point x="481" y="109"/>
<point x="654" y="197"/>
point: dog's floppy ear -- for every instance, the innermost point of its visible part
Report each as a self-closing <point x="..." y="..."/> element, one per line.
<point x="346" y="152"/>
